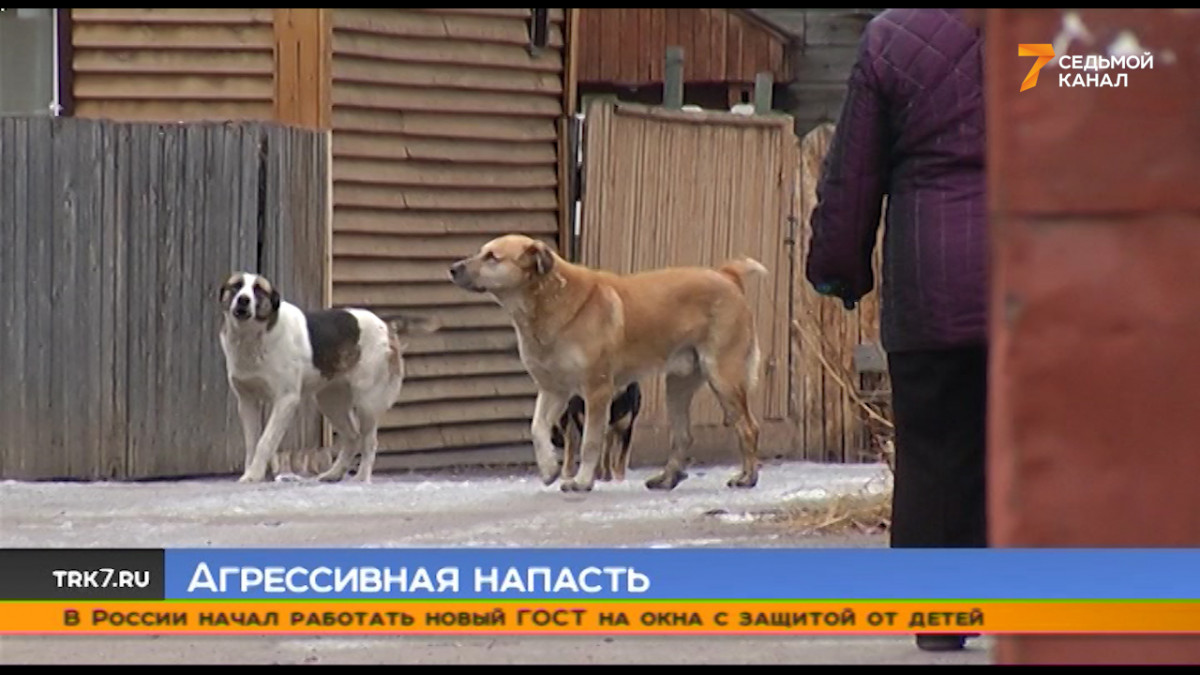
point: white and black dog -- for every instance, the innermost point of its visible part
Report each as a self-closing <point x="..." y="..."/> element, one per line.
<point x="350" y="360"/>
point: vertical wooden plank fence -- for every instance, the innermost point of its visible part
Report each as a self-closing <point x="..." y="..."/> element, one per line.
<point x="831" y="424"/>
<point x="677" y="188"/>
<point x="115" y="239"/>
<point x="666" y="188"/>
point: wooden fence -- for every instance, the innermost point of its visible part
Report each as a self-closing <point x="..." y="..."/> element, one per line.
<point x="665" y="188"/>
<point x="831" y="425"/>
<point x="114" y="238"/>
<point x="683" y="188"/>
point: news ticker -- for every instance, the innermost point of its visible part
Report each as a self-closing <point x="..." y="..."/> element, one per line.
<point x="608" y="591"/>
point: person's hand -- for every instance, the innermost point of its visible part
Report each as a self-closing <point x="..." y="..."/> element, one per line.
<point x="836" y="289"/>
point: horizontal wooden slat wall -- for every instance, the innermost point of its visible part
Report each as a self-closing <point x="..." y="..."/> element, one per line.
<point x="445" y="134"/>
<point x="627" y="46"/>
<point x="173" y="64"/>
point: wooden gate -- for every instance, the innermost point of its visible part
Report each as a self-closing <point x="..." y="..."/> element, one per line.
<point x="831" y="425"/>
<point x="665" y="188"/>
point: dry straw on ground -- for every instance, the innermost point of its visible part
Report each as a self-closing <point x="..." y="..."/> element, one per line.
<point x="866" y="511"/>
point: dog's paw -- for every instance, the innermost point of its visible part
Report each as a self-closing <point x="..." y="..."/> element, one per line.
<point x="549" y="476"/>
<point x="576" y="486"/>
<point x="250" y="478"/>
<point x="288" y="478"/>
<point x="330" y="477"/>
<point x="743" y="481"/>
<point x="665" y="480"/>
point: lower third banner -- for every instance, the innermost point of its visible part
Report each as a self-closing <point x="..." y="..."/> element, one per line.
<point x="598" y="591"/>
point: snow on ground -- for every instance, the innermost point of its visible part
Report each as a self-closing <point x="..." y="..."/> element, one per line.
<point x="499" y="509"/>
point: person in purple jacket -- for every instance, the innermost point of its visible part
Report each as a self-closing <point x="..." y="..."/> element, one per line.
<point x="912" y="128"/>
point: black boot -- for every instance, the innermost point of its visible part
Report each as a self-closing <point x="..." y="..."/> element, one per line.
<point x="941" y="642"/>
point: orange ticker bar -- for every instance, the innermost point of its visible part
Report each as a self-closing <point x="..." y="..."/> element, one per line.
<point x="594" y="617"/>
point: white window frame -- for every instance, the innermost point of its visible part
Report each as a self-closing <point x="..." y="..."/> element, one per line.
<point x="55" y="107"/>
<point x="56" y="77"/>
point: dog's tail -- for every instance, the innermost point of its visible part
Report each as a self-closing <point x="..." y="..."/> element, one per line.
<point x="404" y="324"/>
<point x="753" y="363"/>
<point x="739" y="270"/>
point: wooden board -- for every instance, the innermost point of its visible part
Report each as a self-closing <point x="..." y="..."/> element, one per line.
<point x="119" y="233"/>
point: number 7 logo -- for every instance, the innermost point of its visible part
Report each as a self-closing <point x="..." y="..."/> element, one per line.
<point x="1043" y="53"/>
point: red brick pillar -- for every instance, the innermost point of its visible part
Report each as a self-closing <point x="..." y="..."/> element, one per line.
<point x="1094" y="194"/>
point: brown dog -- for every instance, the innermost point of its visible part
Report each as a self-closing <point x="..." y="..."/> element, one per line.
<point x="589" y="332"/>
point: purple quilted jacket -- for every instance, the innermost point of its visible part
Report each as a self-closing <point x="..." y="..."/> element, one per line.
<point x="911" y="128"/>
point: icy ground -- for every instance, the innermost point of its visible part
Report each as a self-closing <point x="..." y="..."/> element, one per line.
<point x="497" y="509"/>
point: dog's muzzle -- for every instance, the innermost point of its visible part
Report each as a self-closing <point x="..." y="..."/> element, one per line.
<point x="241" y="308"/>
<point x="458" y="274"/>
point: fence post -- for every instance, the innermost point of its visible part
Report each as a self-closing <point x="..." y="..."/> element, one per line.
<point x="673" y="79"/>
<point x="763" y="84"/>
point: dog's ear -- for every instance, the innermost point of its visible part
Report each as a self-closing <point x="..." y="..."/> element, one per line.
<point x="413" y="325"/>
<point x="275" y="300"/>
<point x="225" y="292"/>
<point x="543" y="257"/>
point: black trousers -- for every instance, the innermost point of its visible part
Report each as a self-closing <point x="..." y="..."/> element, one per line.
<point x="939" y="405"/>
